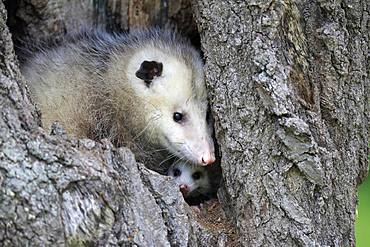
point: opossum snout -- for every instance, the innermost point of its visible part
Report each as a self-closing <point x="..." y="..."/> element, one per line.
<point x="207" y="153"/>
<point x="207" y="158"/>
<point x="184" y="189"/>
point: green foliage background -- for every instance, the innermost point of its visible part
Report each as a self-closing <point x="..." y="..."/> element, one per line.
<point x="363" y="218"/>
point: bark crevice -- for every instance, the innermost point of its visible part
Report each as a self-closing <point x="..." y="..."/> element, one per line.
<point x="289" y="90"/>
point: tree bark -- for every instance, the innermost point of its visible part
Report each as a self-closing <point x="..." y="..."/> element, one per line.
<point x="41" y="20"/>
<point x="289" y="88"/>
<point x="57" y="191"/>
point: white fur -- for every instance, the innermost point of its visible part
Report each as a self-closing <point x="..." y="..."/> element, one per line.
<point x="201" y="186"/>
<point x="102" y="98"/>
<point x="172" y="92"/>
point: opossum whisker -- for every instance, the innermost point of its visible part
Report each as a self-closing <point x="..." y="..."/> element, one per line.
<point x="148" y="124"/>
<point x="167" y="158"/>
<point x="158" y="150"/>
<point x="179" y="160"/>
<point x="177" y="143"/>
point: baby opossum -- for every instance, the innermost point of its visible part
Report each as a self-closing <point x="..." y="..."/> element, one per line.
<point x="194" y="182"/>
<point x="144" y="90"/>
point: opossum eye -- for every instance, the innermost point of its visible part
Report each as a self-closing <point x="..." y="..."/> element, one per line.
<point x="176" y="172"/>
<point x="197" y="175"/>
<point x="177" y="117"/>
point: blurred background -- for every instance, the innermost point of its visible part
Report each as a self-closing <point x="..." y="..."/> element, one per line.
<point x="363" y="217"/>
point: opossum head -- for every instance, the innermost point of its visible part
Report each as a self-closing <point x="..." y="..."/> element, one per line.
<point x="192" y="180"/>
<point x="173" y="92"/>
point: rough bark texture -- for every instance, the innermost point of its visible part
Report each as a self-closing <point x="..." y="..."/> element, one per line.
<point x="289" y="87"/>
<point x="56" y="191"/>
<point x="51" y="19"/>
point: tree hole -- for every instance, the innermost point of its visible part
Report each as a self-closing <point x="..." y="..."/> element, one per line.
<point x="33" y="22"/>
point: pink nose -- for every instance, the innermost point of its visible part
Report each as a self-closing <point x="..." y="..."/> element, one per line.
<point x="208" y="159"/>
<point x="184" y="189"/>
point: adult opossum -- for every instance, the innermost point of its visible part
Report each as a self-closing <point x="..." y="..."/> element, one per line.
<point x="144" y="90"/>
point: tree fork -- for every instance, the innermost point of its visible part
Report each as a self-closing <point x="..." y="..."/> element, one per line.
<point x="289" y="86"/>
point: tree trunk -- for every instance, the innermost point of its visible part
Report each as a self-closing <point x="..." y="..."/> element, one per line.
<point x="39" y="20"/>
<point x="289" y="87"/>
<point x="57" y="191"/>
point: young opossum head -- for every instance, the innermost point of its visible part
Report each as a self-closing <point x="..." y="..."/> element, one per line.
<point x="169" y="79"/>
<point x="193" y="180"/>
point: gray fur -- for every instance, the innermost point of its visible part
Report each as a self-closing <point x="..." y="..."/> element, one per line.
<point x="72" y="83"/>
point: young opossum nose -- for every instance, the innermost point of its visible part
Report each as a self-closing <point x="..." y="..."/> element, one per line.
<point x="208" y="159"/>
<point x="184" y="189"/>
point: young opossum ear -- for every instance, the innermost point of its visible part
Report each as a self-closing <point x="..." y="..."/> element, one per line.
<point x="148" y="70"/>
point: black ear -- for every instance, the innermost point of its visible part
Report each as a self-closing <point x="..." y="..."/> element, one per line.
<point x="148" y="70"/>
